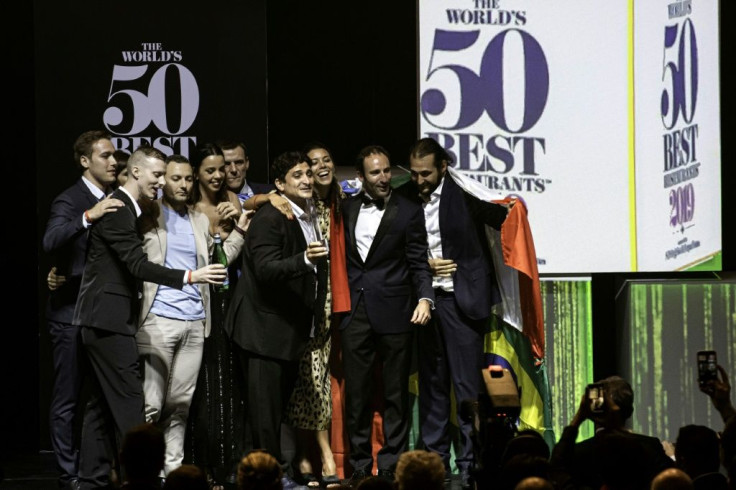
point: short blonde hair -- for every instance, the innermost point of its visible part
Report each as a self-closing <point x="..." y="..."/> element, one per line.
<point x="420" y="470"/>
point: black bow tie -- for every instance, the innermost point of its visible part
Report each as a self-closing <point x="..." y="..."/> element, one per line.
<point x="367" y="200"/>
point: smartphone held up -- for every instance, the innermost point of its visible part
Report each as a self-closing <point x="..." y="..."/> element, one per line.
<point x="594" y="393"/>
<point x="707" y="367"/>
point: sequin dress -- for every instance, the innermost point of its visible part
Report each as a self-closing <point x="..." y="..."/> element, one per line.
<point x="216" y="426"/>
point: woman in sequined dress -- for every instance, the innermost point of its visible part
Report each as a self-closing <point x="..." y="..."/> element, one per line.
<point x="216" y="427"/>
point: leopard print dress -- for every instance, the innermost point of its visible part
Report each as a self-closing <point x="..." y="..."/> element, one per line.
<point x="310" y="405"/>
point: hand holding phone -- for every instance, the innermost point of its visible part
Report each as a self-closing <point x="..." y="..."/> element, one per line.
<point x="595" y="395"/>
<point x="707" y="369"/>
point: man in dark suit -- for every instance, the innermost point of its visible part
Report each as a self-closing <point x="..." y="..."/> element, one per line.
<point x="65" y="239"/>
<point x="236" y="168"/>
<point x="390" y="292"/>
<point x="271" y="312"/>
<point x="614" y="456"/>
<point x="107" y="311"/>
<point x="451" y="346"/>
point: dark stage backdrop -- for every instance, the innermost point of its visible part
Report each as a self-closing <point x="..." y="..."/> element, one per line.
<point x="345" y="74"/>
<point x="169" y="73"/>
<point x="275" y="75"/>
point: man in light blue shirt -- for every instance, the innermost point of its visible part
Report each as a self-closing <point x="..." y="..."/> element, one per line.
<point x="175" y="322"/>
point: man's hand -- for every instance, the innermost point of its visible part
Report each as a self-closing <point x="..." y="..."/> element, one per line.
<point x="316" y="252"/>
<point x="244" y="220"/>
<point x="211" y="274"/>
<point x="422" y="313"/>
<point x="583" y="412"/>
<point x="719" y="391"/>
<point x="228" y="210"/>
<point x="54" y="281"/>
<point x="107" y="205"/>
<point x="280" y="203"/>
<point x="669" y="449"/>
<point x="442" y="267"/>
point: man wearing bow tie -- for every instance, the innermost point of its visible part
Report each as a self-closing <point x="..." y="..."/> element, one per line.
<point x="391" y="291"/>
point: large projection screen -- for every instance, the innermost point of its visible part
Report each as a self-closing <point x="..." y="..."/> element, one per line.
<point x="603" y="117"/>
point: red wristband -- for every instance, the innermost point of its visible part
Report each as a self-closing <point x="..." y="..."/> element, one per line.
<point x="189" y="277"/>
<point x="86" y="216"/>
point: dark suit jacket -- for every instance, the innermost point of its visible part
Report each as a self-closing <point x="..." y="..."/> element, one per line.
<point x="259" y="188"/>
<point x="65" y="239"/>
<point x="462" y="230"/>
<point x="395" y="273"/>
<point x="115" y="266"/>
<point x="642" y="455"/>
<point x="619" y="457"/>
<point x="271" y="310"/>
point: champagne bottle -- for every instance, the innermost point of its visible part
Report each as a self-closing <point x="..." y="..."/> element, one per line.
<point x="219" y="257"/>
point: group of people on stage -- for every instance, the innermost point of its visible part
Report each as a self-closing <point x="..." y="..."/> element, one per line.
<point x="222" y="359"/>
<point x="137" y="308"/>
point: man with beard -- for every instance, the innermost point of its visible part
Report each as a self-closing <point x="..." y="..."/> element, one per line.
<point x="390" y="293"/>
<point x="175" y="322"/>
<point x="451" y="346"/>
<point x="107" y="311"/>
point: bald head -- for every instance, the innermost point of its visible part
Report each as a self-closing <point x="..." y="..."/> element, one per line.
<point x="534" y="483"/>
<point x="672" y="479"/>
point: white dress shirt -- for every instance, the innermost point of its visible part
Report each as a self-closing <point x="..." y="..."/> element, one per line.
<point x="434" y="239"/>
<point x="369" y="217"/>
<point x="306" y="222"/>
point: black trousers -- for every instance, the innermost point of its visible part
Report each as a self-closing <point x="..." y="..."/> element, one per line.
<point x="361" y="347"/>
<point x="270" y="384"/>
<point x="450" y="356"/>
<point x="69" y="370"/>
<point x="115" y="405"/>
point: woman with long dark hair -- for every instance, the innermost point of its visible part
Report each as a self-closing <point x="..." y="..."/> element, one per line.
<point x="216" y="433"/>
<point x="310" y="408"/>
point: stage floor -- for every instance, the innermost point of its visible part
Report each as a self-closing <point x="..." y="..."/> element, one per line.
<point x="29" y="471"/>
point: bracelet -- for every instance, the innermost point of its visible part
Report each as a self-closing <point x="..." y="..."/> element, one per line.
<point x="86" y="216"/>
<point x="189" y="276"/>
<point x="239" y="230"/>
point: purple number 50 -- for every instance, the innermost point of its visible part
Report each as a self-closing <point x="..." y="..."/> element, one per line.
<point x="481" y="92"/>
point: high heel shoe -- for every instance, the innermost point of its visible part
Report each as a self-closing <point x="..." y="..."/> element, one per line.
<point x="331" y="481"/>
<point x="308" y="479"/>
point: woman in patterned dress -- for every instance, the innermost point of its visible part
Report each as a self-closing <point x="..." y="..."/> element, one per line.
<point x="310" y="408"/>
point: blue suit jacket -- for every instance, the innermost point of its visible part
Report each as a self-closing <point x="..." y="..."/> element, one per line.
<point x="65" y="239"/>
<point x="462" y="231"/>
